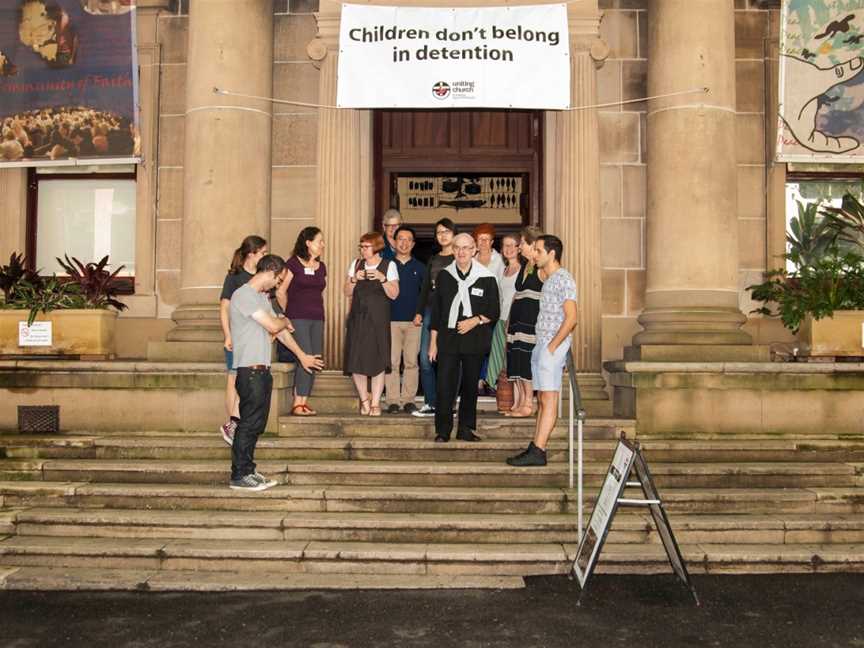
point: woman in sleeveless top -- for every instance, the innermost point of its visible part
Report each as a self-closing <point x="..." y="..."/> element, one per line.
<point x="301" y="298"/>
<point x="372" y="283"/>
<point x="520" y="330"/>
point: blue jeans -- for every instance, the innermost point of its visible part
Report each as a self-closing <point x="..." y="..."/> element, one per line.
<point x="427" y="369"/>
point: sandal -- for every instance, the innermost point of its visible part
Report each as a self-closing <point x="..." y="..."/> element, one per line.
<point x="365" y="410"/>
<point x="375" y="410"/>
<point x="309" y="411"/>
<point x="301" y="410"/>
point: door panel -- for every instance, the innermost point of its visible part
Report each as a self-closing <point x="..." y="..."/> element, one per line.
<point x="439" y="143"/>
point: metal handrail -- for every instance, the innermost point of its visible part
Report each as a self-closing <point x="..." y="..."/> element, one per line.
<point x="577" y="413"/>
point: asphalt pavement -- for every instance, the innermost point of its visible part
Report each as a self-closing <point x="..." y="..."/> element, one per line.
<point x="810" y="611"/>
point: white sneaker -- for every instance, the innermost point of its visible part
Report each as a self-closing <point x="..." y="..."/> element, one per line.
<point x="424" y="412"/>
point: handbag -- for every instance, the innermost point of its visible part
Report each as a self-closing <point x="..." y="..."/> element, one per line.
<point x="503" y="392"/>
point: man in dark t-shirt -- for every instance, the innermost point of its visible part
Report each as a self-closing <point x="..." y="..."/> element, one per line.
<point x="404" y="332"/>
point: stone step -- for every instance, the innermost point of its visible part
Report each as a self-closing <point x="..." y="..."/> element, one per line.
<point x="211" y="446"/>
<point x="281" y="557"/>
<point x="455" y="473"/>
<point x="666" y="475"/>
<point x="155" y="580"/>
<point x="418" y="500"/>
<point x="629" y="527"/>
<point x="492" y="426"/>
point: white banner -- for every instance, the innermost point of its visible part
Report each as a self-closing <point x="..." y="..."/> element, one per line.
<point x="490" y="57"/>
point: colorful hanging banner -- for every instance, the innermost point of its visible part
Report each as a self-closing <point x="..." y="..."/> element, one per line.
<point x="68" y="82"/>
<point x="821" y="82"/>
<point x="420" y="57"/>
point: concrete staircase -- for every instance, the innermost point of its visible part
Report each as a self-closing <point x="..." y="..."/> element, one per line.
<point x="375" y="503"/>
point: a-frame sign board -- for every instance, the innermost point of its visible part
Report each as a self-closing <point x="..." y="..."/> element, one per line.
<point x="627" y="459"/>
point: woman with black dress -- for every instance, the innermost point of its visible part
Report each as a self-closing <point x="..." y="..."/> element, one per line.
<point x="520" y="332"/>
<point x="372" y="283"/>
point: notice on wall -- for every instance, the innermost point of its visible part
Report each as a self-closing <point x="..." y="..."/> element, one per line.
<point x="821" y="82"/>
<point x="37" y="334"/>
<point x="421" y="57"/>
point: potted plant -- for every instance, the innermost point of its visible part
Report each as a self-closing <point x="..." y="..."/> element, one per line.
<point x="82" y="309"/>
<point x="820" y="295"/>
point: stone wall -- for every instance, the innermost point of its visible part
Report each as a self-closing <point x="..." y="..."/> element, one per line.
<point x="622" y="132"/>
<point x="623" y="163"/>
<point x="295" y="78"/>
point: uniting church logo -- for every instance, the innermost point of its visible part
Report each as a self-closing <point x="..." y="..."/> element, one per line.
<point x="441" y="90"/>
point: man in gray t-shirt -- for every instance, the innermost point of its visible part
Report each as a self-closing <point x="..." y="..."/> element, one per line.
<point x="253" y="344"/>
<point x="254" y="325"/>
<point x="555" y="322"/>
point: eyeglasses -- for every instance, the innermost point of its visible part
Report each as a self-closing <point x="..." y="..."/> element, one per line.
<point x="364" y="246"/>
<point x="463" y="247"/>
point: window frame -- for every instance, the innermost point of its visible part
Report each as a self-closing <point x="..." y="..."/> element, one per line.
<point x="122" y="285"/>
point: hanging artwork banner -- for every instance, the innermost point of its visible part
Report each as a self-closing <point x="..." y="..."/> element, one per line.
<point x="68" y="82"/>
<point x="821" y="93"/>
<point x="422" y="57"/>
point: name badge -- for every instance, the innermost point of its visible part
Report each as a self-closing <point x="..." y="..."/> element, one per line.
<point x="309" y="271"/>
<point x="477" y="292"/>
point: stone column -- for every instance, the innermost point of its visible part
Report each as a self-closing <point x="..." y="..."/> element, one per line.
<point x="692" y="230"/>
<point x="344" y="181"/>
<point x="575" y="164"/>
<point x="578" y="217"/>
<point x="227" y="162"/>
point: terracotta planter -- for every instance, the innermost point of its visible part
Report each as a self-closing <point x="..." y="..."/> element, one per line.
<point x="74" y="332"/>
<point x="840" y="335"/>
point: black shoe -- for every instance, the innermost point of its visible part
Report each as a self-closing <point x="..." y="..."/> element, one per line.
<point x="533" y="456"/>
<point x="409" y="408"/>
<point x="467" y="435"/>
<point x="393" y="409"/>
<point x="441" y="439"/>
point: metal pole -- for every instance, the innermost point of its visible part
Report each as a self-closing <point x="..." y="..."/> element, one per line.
<point x="570" y="438"/>
<point x="579" y="494"/>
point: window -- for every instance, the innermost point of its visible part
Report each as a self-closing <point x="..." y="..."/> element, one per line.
<point x="84" y="215"/>
<point x="819" y="188"/>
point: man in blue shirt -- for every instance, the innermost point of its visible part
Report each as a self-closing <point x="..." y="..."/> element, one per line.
<point x="404" y="333"/>
<point x="390" y="222"/>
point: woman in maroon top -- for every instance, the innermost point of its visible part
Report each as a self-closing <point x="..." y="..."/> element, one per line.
<point x="301" y="297"/>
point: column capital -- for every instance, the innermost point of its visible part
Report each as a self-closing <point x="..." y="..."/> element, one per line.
<point x="584" y="27"/>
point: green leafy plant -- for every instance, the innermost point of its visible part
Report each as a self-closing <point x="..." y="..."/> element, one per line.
<point x="96" y="283"/>
<point x="89" y="286"/>
<point x="826" y="249"/>
<point x="846" y="223"/>
<point x="48" y="295"/>
<point x="12" y="274"/>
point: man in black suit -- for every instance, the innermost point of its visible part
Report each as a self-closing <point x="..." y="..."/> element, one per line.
<point x="465" y="307"/>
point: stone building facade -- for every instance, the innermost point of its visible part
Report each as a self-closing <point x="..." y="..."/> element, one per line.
<point x="668" y="210"/>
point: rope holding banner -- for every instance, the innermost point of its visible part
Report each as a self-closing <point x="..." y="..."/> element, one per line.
<point x="303" y="104"/>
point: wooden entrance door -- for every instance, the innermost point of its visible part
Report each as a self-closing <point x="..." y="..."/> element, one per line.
<point x="427" y="147"/>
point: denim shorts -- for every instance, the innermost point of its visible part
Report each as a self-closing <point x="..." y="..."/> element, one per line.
<point x="229" y="362"/>
<point x="548" y="368"/>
